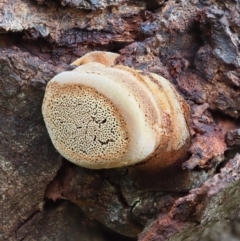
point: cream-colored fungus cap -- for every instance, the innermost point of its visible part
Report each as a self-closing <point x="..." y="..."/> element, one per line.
<point x="105" y="117"/>
<point x="105" y="58"/>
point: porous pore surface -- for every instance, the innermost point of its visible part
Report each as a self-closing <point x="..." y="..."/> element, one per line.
<point x="84" y="125"/>
<point x="101" y="118"/>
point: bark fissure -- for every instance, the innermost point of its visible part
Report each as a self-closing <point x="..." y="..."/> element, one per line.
<point x="194" y="44"/>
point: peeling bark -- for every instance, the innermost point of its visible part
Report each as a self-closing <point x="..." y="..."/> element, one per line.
<point x="194" y="44"/>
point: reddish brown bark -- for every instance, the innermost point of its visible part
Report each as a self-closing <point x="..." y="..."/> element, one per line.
<point x="194" y="44"/>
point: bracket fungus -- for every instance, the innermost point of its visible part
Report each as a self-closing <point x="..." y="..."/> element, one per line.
<point x="104" y="116"/>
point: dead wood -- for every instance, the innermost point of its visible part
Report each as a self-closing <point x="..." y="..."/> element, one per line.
<point x="194" y="44"/>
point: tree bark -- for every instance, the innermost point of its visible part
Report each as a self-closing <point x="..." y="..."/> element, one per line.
<point x="195" y="45"/>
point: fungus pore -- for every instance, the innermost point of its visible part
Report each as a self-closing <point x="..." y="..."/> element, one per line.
<point x="99" y="116"/>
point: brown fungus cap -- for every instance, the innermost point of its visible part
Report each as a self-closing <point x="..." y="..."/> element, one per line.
<point x="105" y="117"/>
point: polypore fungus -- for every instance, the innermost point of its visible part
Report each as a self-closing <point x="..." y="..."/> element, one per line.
<point x="105" y="117"/>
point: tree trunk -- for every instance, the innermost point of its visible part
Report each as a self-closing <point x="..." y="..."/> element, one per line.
<point x="192" y="43"/>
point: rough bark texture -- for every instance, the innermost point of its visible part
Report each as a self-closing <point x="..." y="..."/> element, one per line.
<point x="194" y="44"/>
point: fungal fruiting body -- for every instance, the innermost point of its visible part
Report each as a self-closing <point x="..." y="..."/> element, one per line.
<point x="105" y="58"/>
<point x="99" y="116"/>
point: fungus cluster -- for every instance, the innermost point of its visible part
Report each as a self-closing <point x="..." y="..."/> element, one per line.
<point x="99" y="116"/>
